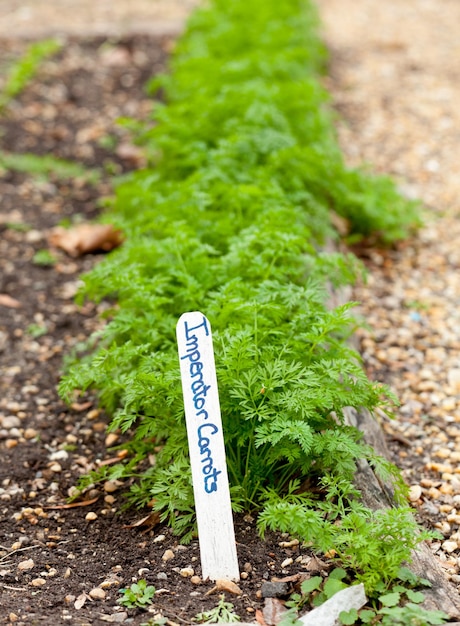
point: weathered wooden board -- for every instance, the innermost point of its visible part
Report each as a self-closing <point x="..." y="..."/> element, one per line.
<point x="442" y="595"/>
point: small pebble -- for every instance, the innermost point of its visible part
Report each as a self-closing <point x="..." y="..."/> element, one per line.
<point x="142" y="571"/>
<point x="287" y="562"/>
<point x="278" y="589"/>
<point x="453" y="378"/>
<point x="111" y="439"/>
<point x="10" y="421"/>
<point x="167" y="555"/>
<point x="444" y="527"/>
<point x="38" y="582"/>
<point x="434" y="493"/>
<point x="97" y="594"/>
<point x="90" y="517"/>
<point x="30" y="433"/>
<point x="59" y="455"/>
<point x="106" y="584"/>
<point x="289" y="544"/>
<point x="187" y="572"/>
<point x="449" y="546"/>
<point x="415" y="491"/>
<point x="110" y="486"/>
<point x="195" y="580"/>
<point x="159" y="539"/>
<point x="23" y="566"/>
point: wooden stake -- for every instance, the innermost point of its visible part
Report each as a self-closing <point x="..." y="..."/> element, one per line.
<point x="207" y="451"/>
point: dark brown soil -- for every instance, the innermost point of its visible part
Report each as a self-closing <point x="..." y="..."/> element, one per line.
<point x="52" y="557"/>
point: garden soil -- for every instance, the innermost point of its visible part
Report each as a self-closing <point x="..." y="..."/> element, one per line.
<point x="394" y="81"/>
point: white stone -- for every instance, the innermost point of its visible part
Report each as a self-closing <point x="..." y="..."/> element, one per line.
<point x="187" y="572"/>
<point x="97" y="593"/>
<point x="453" y="378"/>
<point x="449" y="546"/>
<point x="167" y="556"/>
<point x="23" y="566"/>
<point x="328" y="613"/>
<point x="415" y="491"/>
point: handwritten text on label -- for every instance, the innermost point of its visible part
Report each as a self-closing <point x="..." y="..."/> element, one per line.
<point x="199" y="390"/>
<point x="206" y="447"/>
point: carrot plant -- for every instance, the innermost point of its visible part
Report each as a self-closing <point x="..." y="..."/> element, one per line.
<point x="231" y="218"/>
<point x="24" y="69"/>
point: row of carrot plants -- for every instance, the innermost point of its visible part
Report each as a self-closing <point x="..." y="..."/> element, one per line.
<point x="231" y="217"/>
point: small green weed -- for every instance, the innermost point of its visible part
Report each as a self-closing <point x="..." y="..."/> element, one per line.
<point x="23" y="70"/>
<point x="44" y="257"/>
<point x="20" y="227"/>
<point x="36" y="330"/>
<point x="44" y="166"/>
<point x="313" y="592"/>
<point x="221" y="614"/>
<point x="400" y="606"/>
<point x="108" y="142"/>
<point x="140" y="595"/>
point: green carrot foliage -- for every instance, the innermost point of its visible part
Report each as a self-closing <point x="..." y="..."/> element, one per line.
<point x="231" y="218"/>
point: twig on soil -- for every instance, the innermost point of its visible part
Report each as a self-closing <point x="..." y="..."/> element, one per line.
<point x="72" y="505"/>
<point x="16" y="551"/>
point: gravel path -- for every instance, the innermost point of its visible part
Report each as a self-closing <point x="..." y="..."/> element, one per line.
<point x="394" y="80"/>
<point x="40" y="18"/>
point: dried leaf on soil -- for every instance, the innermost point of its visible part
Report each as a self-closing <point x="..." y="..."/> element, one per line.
<point x="72" y="505"/>
<point x="81" y="406"/>
<point x="80" y="601"/>
<point x="86" y="238"/>
<point x="8" y="301"/>
<point x="260" y="618"/>
<point x="149" y="520"/>
<point x="225" y="585"/>
<point x="274" y="610"/>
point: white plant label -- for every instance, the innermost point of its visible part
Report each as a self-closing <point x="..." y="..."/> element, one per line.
<point x="206" y="445"/>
